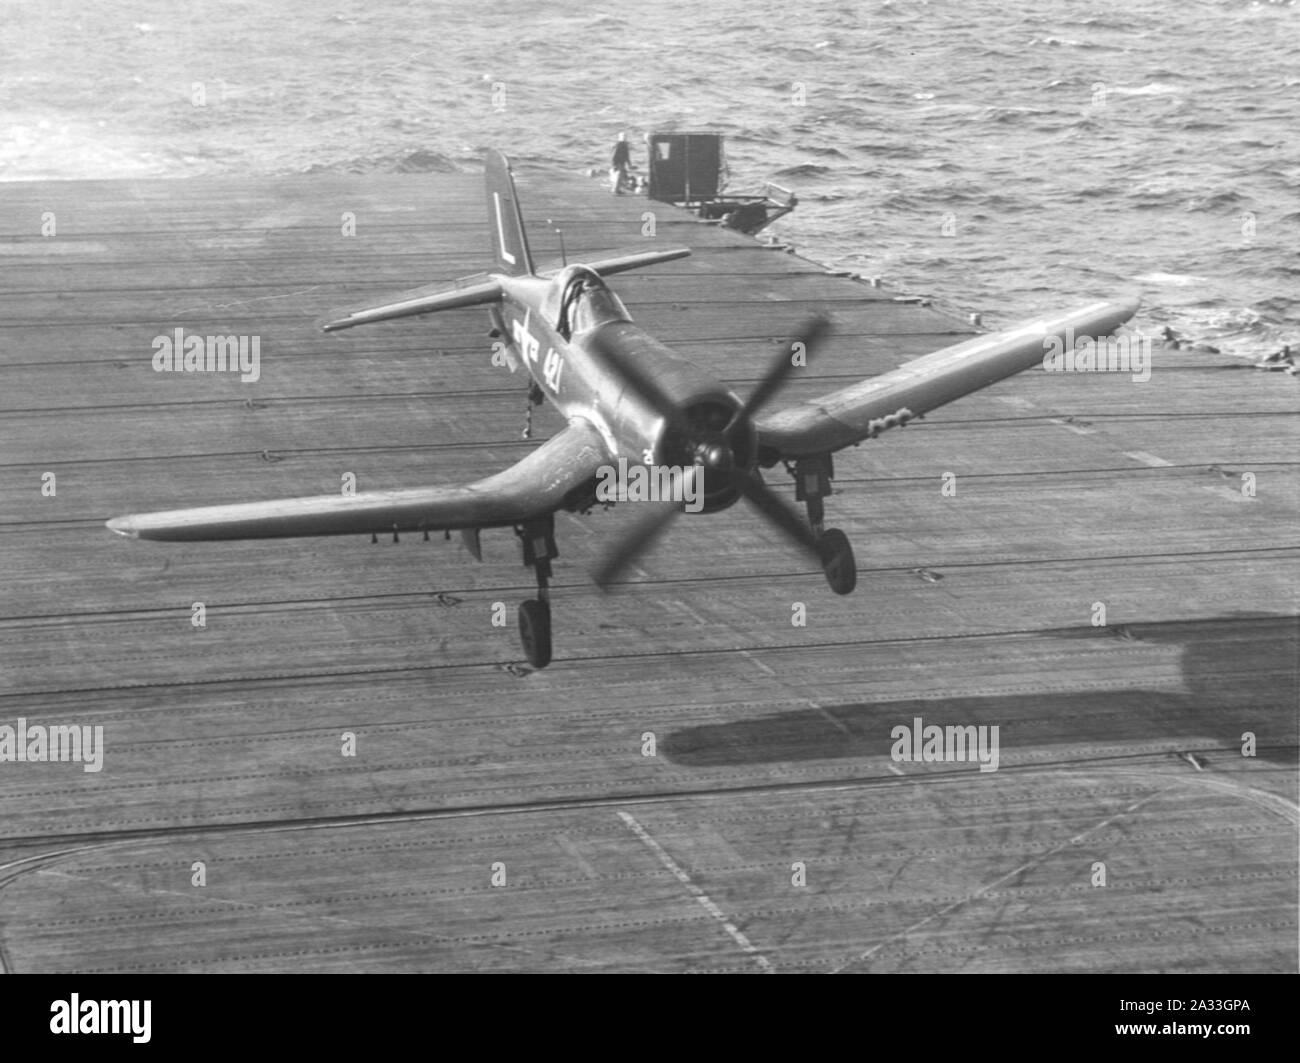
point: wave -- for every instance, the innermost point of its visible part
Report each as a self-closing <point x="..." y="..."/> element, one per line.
<point x="826" y="152"/>
<point x="807" y="169"/>
<point x="1214" y="201"/>
<point x="1172" y="280"/>
<point x="420" y="160"/>
<point x="1155" y="88"/>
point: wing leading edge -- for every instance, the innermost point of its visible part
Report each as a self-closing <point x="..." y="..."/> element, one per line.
<point x="861" y="411"/>
<point x="540" y="483"/>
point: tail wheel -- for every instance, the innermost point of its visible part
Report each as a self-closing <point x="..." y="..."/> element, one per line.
<point x="837" y="561"/>
<point x="535" y="631"/>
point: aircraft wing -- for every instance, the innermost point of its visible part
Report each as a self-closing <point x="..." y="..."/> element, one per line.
<point x="550" y="478"/>
<point x="862" y="411"/>
<point x="472" y="291"/>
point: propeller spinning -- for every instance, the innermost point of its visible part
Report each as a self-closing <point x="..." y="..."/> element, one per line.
<point x="714" y="455"/>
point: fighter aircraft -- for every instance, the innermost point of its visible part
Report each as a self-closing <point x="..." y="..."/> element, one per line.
<point x="628" y="398"/>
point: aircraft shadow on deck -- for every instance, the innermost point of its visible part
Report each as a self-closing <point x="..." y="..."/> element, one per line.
<point x="1239" y="672"/>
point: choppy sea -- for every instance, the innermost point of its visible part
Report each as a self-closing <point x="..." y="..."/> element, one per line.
<point x="1006" y="157"/>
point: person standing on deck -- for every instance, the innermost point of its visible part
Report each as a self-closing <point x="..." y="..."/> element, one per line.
<point x="619" y="164"/>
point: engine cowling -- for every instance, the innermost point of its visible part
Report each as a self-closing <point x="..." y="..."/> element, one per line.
<point x="713" y="437"/>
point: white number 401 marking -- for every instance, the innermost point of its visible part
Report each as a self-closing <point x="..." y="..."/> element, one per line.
<point x="552" y="368"/>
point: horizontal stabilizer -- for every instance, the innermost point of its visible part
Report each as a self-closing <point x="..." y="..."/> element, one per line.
<point x="472" y="291"/>
<point x="621" y="264"/>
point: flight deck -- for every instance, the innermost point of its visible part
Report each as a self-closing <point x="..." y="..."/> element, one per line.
<point x="330" y="755"/>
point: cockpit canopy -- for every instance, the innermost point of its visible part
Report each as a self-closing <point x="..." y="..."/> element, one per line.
<point x="579" y="300"/>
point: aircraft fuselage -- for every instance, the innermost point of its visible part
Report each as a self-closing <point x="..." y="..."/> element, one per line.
<point x="580" y="374"/>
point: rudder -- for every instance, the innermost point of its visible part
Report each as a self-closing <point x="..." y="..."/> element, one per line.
<point x="509" y="241"/>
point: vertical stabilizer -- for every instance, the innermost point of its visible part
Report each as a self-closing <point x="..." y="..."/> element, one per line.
<point x="509" y="242"/>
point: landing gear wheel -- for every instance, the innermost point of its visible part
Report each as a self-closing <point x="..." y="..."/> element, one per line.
<point x="535" y="631"/>
<point x="837" y="561"/>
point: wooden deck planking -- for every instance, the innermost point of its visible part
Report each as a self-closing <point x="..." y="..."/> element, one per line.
<point x="237" y="726"/>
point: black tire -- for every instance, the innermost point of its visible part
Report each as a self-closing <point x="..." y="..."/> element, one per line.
<point x="837" y="561"/>
<point x="535" y="631"/>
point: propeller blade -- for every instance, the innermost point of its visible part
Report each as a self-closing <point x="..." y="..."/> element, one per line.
<point x="779" y="514"/>
<point x="636" y="542"/>
<point x="812" y="333"/>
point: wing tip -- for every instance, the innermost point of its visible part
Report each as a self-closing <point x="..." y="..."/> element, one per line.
<point x="123" y="526"/>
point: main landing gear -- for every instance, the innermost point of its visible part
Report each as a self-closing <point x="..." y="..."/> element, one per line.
<point x="538" y="539"/>
<point x="535" y="398"/>
<point x="812" y="483"/>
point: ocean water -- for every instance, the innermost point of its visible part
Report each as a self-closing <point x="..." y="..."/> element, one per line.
<point x="1006" y="158"/>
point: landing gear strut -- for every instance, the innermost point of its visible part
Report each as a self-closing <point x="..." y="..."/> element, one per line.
<point x="535" y="398"/>
<point x="812" y="483"/>
<point x="538" y="539"/>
